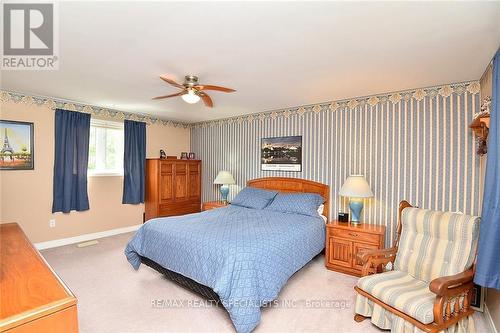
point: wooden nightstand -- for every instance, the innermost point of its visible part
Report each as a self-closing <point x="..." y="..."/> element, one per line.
<point x="344" y="241"/>
<point x="213" y="204"/>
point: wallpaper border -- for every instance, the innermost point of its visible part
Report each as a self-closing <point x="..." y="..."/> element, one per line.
<point x="350" y="103"/>
<point x="54" y="103"/>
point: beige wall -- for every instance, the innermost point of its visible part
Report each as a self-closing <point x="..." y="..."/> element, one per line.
<point x="492" y="296"/>
<point x="26" y="196"/>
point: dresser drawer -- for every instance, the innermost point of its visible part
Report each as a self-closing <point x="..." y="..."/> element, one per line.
<point x="177" y="209"/>
<point x="356" y="236"/>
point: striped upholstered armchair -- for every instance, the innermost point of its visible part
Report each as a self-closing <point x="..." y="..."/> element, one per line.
<point x="424" y="282"/>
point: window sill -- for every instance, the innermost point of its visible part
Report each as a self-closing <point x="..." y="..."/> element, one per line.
<point x="105" y="174"/>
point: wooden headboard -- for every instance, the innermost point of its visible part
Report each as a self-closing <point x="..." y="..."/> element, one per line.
<point x="290" y="185"/>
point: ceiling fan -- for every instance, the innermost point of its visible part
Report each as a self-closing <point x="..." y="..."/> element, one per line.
<point x="192" y="91"/>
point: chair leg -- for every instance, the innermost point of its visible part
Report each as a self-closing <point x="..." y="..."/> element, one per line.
<point x="359" y="318"/>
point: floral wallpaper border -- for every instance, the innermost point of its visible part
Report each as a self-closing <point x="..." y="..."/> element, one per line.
<point x="55" y="103"/>
<point x="394" y="97"/>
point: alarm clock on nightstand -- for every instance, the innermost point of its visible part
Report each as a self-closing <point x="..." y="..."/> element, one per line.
<point x="343" y="217"/>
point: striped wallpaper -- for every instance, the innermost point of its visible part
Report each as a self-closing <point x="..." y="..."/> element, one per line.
<point x="413" y="145"/>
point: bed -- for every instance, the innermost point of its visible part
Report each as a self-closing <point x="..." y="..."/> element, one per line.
<point x="238" y="256"/>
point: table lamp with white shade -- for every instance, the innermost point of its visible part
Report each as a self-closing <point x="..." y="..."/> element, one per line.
<point x="356" y="188"/>
<point x="224" y="178"/>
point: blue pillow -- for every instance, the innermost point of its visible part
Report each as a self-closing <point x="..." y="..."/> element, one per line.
<point x="297" y="203"/>
<point x="251" y="197"/>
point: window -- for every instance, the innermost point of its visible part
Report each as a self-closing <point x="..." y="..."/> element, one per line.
<point x="105" y="148"/>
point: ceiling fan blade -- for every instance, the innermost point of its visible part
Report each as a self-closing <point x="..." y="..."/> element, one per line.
<point x="206" y="99"/>
<point x="172" y="95"/>
<point x="172" y="82"/>
<point x="212" y="87"/>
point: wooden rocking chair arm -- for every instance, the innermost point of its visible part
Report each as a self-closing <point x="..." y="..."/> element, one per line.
<point x="375" y="260"/>
<point x="372" y="254"/>
<point x="444" y="286"/>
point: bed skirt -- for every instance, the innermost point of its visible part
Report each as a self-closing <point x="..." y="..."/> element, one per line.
<point x="206" y="292"/>
<point x="386" y="320"/>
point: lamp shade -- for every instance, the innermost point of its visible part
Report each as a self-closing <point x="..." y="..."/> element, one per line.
<point x="224" y="177"/>
<point x="356" y="186"/>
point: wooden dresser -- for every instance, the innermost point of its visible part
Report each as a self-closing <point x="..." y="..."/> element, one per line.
<point x="33" y="298"/>
<point x="173" y="187"/>
<point x="344" y="241"/>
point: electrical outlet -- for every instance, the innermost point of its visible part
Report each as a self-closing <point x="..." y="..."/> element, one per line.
<point x="52" y="223"/>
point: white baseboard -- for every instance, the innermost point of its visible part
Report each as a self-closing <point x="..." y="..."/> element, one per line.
<point x="489" y="320"/>
<point x="85" y="238"/>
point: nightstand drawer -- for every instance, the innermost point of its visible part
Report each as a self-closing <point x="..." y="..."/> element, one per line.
<point x="356" y="236"/>
<point x="213" y="204"/>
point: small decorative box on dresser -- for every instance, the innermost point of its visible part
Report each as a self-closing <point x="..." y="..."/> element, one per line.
<point x="344" y="241"/>
<point x="173" y="187"/>
<point x="213" y="204"/>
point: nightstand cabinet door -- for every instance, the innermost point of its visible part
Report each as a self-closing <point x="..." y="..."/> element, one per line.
<point x="340" y="252"/>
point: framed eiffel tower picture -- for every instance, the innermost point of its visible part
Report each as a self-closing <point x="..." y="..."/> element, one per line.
<point x="17" y="145"/>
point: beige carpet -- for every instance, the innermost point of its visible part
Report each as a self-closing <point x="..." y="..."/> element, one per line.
<point x="112" y="297"/>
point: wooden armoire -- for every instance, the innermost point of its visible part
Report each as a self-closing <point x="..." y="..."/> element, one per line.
<point x="173" y="187"/>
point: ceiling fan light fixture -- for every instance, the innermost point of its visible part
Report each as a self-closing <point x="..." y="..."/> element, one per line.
<point x="191" y="97"/>
<point x="191" y="91"/>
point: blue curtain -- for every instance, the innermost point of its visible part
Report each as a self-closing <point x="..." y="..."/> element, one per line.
<point x="134" y="162"/>
<point x="488" y="260"/>
<point x="71" y="154"/>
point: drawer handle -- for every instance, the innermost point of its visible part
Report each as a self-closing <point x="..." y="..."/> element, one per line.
<point x="353" y="234"/>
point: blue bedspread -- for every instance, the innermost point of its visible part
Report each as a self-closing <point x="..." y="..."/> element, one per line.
<point x="245" y="255"/>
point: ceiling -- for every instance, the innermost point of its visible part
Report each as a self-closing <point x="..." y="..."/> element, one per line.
<point x="275" y="54"/>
